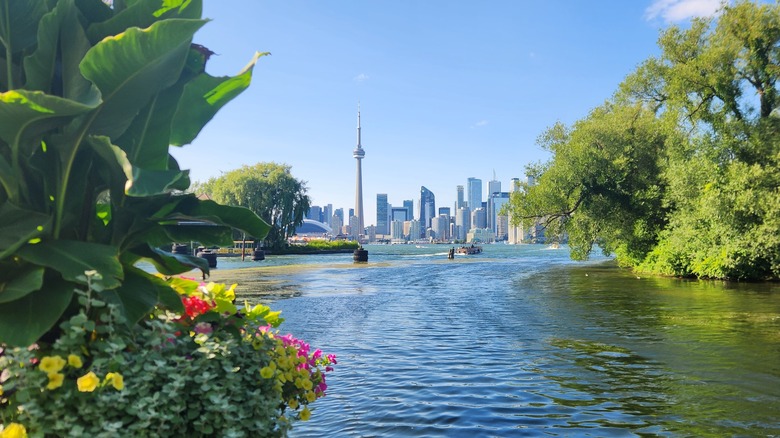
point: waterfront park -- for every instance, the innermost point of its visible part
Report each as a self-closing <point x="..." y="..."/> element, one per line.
<point x="658" y="314"/>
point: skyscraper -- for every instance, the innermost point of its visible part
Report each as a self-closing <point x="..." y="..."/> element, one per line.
<point x="462" y="223"/>
<point x="382" y="214"/>
<point x="427" y="209"/>
<point x="409" y="204"/>
<point x="494" y="186"/>
<point x="327" y="213"/>
<point x="474" y="193"/>
<point x="495" y="202"/>
<point x="461" y="201"/>
<point x="358" y="154"/>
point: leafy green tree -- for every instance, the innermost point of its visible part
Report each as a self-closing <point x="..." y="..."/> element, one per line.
<point x="91" y="97"/>
<point x="718" y="81"/>
<point x="603" y="185"/>
<point x="269" y="190"/>
<point x="689" y="185"/>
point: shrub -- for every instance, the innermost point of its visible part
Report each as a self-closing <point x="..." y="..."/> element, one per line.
<point x="213" y="369"/>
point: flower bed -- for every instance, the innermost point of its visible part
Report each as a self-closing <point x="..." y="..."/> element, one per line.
<point x="214" y="369"/>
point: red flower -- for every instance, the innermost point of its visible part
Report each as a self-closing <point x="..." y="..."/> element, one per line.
<point x="194" y="306"/>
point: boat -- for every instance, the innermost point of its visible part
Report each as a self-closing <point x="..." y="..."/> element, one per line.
<point x="469" y="250"/>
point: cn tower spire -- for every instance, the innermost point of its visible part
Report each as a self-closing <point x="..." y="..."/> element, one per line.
<point x="358" y="154"/>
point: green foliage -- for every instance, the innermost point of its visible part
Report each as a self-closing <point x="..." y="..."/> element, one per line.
<point x="325" y="245"/>
<point x="91" y="97"/>
<point x="267" y="189"/>
<point x="603" y="186"/>
<point x="195" y="373"/>
<point x="691" y="185"/>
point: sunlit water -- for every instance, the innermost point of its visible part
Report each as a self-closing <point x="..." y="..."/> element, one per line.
<point x="519" y="341"/>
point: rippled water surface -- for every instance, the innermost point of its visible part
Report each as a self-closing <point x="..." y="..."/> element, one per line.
<point x="519" y="341"/>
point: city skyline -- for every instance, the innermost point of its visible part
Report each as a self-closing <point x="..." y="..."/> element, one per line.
<point x="447" y="90"/>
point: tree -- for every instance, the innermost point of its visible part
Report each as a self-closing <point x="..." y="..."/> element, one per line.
<point x="679" y="173"/>
<point x="718" y="82"/>
<point x="269" y="190"/>
<point x="603" y="185"/>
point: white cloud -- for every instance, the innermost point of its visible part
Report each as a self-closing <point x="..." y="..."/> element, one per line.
<point x="480" y="124"/>
<point x="672" y="11"/>
<point x="362" y="77"/>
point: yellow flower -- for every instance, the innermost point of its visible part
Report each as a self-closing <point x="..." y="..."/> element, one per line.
<point x="306" y="384"/>
<point x="51" y="364"/>
<point x="1" y="389"/>
<point x="117" y="381"/>
<point x="293" y="404"/>
<point x="55" y="381"/>
<point x="305" y="414"/>
<point x="311" y="396"/>
<point x="74" y="361"/>
<point x="88" y="382"/>
<point x="14" y="430"/>
<point x="267" y="372"/>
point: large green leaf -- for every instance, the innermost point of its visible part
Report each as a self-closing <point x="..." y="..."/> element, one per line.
<point x="143" y="13"/>
<point x="21" y="285"/>
<point x="23" y="321"/>
<point x="168" y="263"/>
<point x="115" y="160"/>
<point x="72" y="258"/>
<point x="203" y="97"/>
<point x="142" y="62"/>
<point x="138" y="294"/>
<point x="23" y="114"/>
<point x="191" y="208"/>
<point x="18" y="226"/>
<point x="156" y="182"/>
<point x="19" y="23"/>
<point x="205" y="233"/>
<point x="40" y="67"/>
<point x="73" y="50"/>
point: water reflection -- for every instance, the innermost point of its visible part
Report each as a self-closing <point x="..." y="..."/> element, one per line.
<point x="522" y="342"/>
<point x="698" y="358"/>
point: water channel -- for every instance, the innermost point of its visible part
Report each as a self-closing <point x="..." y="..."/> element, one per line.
<point x="520" y="341"/>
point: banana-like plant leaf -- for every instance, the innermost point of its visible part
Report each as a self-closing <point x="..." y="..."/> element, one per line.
<point x="156" y="182"/>
<point x="138" y="294"/>
<point x="143" y="62"/>
<point x="18" y="226"/>
<point x="22" y="110"/>
<point x="40" y="67"/>
<point x="23" y="321"/>
<point x="115" y="159"/>
<point x="74" y="85"/>
<point x="19" y="23"/>
<point x="206" y="234"/>
<point x="72" y="258"/>
<point x="21" y="285"/>
<point x="192" y="208"/>
<point x="172" y="264"/>
<point x="144" y="13"/>
<point x="203" y="97"/>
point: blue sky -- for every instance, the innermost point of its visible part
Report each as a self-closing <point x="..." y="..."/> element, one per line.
<point x="447" y="89"/>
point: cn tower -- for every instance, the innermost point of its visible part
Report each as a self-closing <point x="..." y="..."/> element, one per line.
<point x="359" y="153"/>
